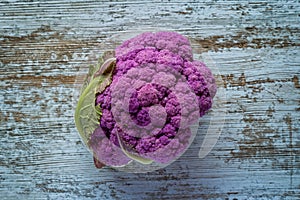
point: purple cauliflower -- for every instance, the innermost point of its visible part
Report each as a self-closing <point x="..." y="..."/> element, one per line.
<point x="157" y="92"/>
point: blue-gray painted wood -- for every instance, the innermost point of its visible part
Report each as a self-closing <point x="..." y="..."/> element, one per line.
<point x="45" y="49"/>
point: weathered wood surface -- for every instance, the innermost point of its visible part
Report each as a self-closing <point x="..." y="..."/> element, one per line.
<point x="46" y="47"/>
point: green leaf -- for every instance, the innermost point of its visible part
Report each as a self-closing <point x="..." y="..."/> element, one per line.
<point x="89" y="76"/>
<point x="93" y="69"/>
<point x="133" y="156"/>
<point x="87" y="115"/>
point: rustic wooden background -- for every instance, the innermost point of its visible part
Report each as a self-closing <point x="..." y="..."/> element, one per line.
<point x="45" y="49"/>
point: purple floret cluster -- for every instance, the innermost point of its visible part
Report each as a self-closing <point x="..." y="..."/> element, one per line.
<point x="170" y="41"/>
<point x="157" y="92"/>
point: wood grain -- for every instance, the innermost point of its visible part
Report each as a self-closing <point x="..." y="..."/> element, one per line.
<point x="45" y="51"/>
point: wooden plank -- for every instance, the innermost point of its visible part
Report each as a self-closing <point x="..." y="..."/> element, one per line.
<point x="45" y="50"/>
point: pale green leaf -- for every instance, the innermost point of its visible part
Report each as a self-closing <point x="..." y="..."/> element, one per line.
<point x="87" y="115"/>
<point x="133" y="156"/>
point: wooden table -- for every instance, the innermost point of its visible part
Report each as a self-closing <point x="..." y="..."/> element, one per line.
<point x="45" y="49"/>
